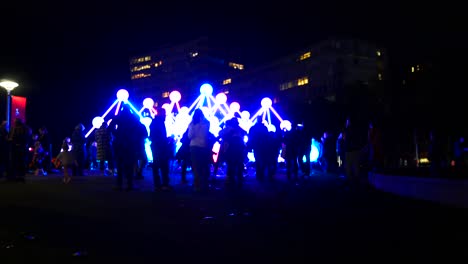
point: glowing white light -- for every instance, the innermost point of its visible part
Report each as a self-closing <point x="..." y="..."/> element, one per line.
<point x="148" y="103"/>
<point x="122" y="95"/>
<point x="97" y="122"/>
<point x="206" y="89"/>
<point x="146" y="121"/>
<point x="183" y="110"/>
<point x="266" y="102"/>
<point x="286" y="125"/>
<point x="175" y="96"/>
<point x="271" y="128"/>
<point x="235" y="107"/>
<point x="166" y="107"/>
<point x="245" y="114"/>
<point x="221" y="98"/>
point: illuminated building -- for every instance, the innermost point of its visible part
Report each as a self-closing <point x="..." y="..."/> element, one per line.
<point x="323" y="70"/>
<point x="183" y="67"/>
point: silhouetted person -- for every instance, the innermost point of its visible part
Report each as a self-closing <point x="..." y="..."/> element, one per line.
<point x="233" y="137"/>
<point x="183" y="157"/>
<point x="161" y="150"/>
<point x="126" y="146"/>
<point x="459" y="154"/>
<point x="257" y="135"/>
<point x="304" y="147"/>
<point x="19" y="137"/>
<point x="200" y="150"/>
<point x="78" y="141"/>
<point x="354" y="143"/>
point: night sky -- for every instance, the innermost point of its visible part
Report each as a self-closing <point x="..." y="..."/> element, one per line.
<point x="70" y="57"/>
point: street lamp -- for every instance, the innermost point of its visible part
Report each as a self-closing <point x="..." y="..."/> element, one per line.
<point x="9" y="86"/>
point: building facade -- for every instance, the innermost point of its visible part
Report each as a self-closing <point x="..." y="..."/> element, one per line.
<point x="324" y="70"/>
<point x="184" y="67"/>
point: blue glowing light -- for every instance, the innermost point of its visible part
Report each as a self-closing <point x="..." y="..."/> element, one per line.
<point x="206" y="89"/>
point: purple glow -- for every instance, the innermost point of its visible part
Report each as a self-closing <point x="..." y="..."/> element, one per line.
<point x="122" y="95"/>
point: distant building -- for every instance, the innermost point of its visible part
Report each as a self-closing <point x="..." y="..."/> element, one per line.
<point x="184" y="67"/>
<point x="325" y="70"/>
<point x="337" y="70"/>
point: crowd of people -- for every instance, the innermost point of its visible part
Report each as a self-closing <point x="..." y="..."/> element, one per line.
<point x="118" y="148"/>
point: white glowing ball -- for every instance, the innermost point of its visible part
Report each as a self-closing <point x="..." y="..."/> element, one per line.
<point x="235" y="107"/>
<point x="271" y="128"/>
<point x="221" y="98"/>
<point x="148" y="103"/>
<point x="183" y="110"/>
<point x="206" y="89"/>
<point x="166" y="107"/>
<point x="175" y="96"/>
<point x="97" y="122"/>
<point x="266" y="102"/>
<point x="286" y="125"/>
<point x="245" y="114"/>
<point x="146" y="121"/>
<point x="122" y="95"/>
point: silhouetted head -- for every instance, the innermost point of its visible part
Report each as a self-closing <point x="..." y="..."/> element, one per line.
<point x="198" y="116"/>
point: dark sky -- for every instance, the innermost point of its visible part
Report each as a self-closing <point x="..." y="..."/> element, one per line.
<point x="70" y="57"/>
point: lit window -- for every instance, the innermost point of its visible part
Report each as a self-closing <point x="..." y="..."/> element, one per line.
<point x="412" y="69"/>
<point x="379" y="53"/>
<point x="193" y="54"/>
<point x="236" y="66"/>
<point x="157" y="64"/>
<point x="404" y="82"/>
<point x="380" y="76"/>
<point x="302" y="81"/>
<point x="140" y="75"/>
<point x="227" y="81"/>
<point x="286" y="86"/>
<point x="305" y="56"/>
<point x="140" y="59"/>
<point x="165" y="95"/>
<point x="140" y="68"/>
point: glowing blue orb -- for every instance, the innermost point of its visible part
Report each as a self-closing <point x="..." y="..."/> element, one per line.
<point x="314" y="153"/>
<point x="175" y="96"/>
<point x="286" y="125"/>
<point x="122" y="95"/>
<point x="206" y="89"/>
<point x="97" y="122"/>
<point x="221" y="98"/>
<point x="148" y="103"/>
<point x="266" y="102"/>
<point x="235" y="107"/>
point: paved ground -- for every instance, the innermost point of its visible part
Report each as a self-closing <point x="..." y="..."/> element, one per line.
<point x="317" y="220"/>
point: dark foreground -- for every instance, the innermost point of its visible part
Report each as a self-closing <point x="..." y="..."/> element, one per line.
<point x="317" y="220"/>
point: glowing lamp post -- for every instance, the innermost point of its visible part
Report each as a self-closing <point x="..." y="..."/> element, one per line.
<point x="9" y="86"/>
